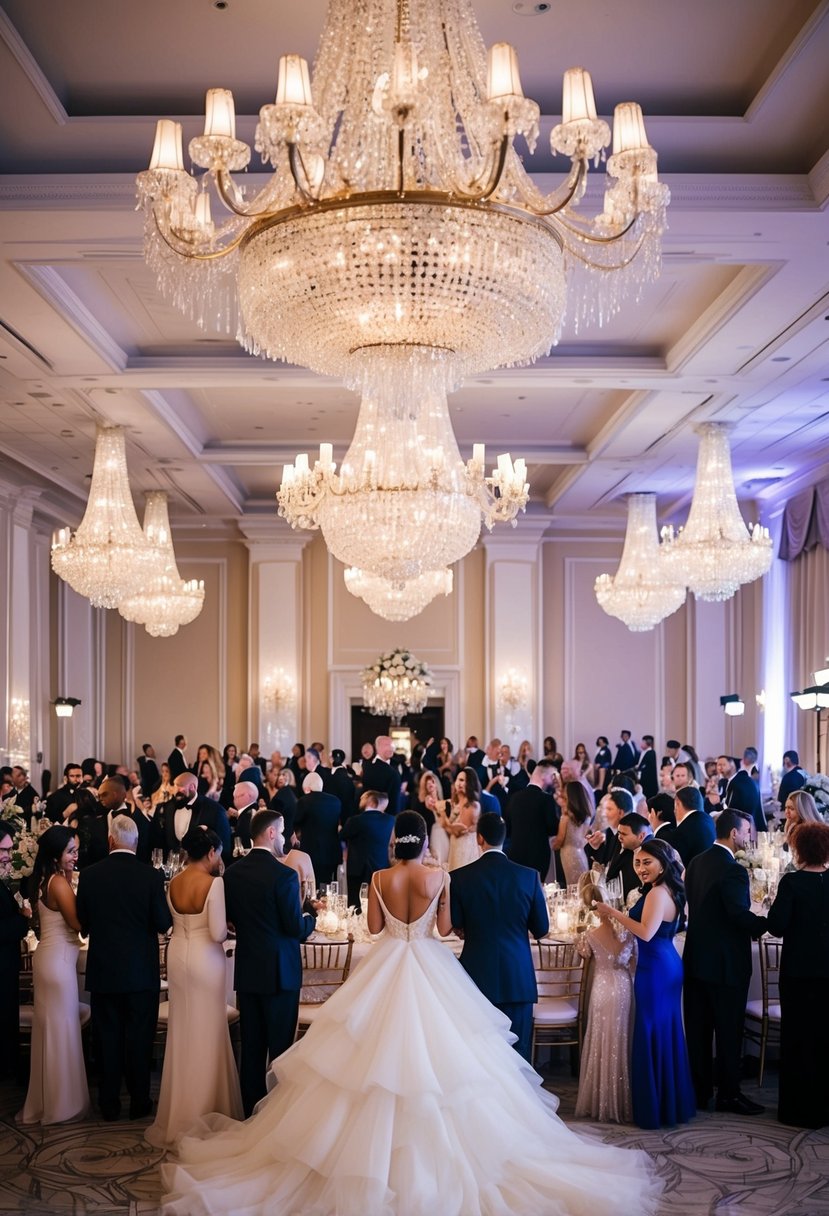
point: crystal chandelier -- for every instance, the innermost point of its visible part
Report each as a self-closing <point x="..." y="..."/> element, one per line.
<point x="398" y="211"/>
<point x="398" y="601"/>
<point x="513" y="690"/>
<point x="395" y="685"/>
<point x="278" y="692"/>
<point x="108" y="558"/>
<point x="166" y="601"/>
<point x="715" y="552"/>
<point x="643" y="591"/>
<point x="403" y="502"/>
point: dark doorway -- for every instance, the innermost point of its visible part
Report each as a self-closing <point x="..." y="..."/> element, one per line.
<point x="365" y="727"/>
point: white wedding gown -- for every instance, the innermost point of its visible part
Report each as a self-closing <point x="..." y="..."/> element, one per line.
<point x="404" y="1098"/>
<point x="199" y="1074"/>
<point x="57" y="1080"/>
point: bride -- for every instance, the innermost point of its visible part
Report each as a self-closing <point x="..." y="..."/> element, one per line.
<point x="405" y="1097"/>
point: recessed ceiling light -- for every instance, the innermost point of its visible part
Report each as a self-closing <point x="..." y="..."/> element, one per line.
<point x="782" y="359"/>
<point x="531" y="8"/>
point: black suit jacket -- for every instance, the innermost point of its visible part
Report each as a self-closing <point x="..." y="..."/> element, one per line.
<point x="381" y="776"/>
<point x="262" y="901"/>
<point x="177" y="764"/>
<point x="205" y="812"/>
<point x="648" y="775"/>
<point x="150" y="775"/>
<point x="625" y="757"/>
<point x="667" y="833"/>
<point x="284" y="801"/>
<point x="800" y="915"/>
<point x="532" y="818"/>
<point x="57" y="802"/>
<point x="367" y="835"/>
<point x="694" y="835"/>
<point x="618" y="862"/>
<point x="793" y="780"/>
<point x="498" y="905"/>
<point x="94" y="836"/>
<point x="743" y="794"/>
<point x="121" y="906"/>
<point x="341" y="786"/>
<point x="720" y="921"/>
<point x="13" y="928"/>
<point x="317" y="820"/>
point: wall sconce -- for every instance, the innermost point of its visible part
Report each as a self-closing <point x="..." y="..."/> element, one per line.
<point x="822" y="677"/>
<point x="65" y="706"/>
<point x="760" y="700"/>
<point x="278" y="691"/>
<point x="816" y="698"/>
<point x="733" y="705"/>
<point x="513" y="690"/>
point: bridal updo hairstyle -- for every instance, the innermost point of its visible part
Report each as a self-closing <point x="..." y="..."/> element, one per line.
<point x="409" y="823"/>
<point x="198" y="842"/>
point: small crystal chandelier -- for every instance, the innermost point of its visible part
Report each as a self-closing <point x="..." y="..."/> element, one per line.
<point x="513" y="690"/>
<point x="278" y="692"/>
<point x="715" y="552"/>
<point x="403" y="502"/>
<point x="395" y="685"/>
<point x="108" y="558"/>
<point x="398" y="601"/>
<point x="643" y="591"/>
<point x="166" y="601"/>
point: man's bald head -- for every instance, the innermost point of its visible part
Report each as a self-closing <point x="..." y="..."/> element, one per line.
<point x="186" y="783"/>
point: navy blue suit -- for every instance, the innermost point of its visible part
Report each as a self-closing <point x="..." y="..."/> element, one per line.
<point x="317" y="819"/>
<point x="367" y="835"/>
<point x="262" y="898"/>
<point x="497" y="905"/>
<point x="743" y="794"/>
<point x="694" y="835"/>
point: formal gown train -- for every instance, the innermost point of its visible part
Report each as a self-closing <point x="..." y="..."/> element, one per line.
<point x="405" y="1098"/>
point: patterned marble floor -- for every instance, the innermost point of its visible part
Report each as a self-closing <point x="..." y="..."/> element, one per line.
<point x="720" y="1165"/>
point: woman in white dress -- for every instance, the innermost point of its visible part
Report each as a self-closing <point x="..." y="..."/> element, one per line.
<point x="462" y="818"/>
<point x="405" y="1097"/>
<point x="57" y="1082"/>
<point x="199" y="1072"/>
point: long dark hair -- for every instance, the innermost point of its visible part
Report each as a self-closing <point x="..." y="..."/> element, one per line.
<point x="578" y="802"/>
<point x="50" y="849"/>
<point x="473" y="785"/>
<point x="671" y="875"/>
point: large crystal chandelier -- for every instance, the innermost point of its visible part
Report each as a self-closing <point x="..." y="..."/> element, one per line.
<point x="644" y="589"/>
<point x="398" y="211"/>
<point x="108" y="557"/>
<point x="398" y="601"/>
<point x="403" y="502"/>
<point x="715" y="552"/>
<point x="166" y="601"/>
<point x="396" y="684"/>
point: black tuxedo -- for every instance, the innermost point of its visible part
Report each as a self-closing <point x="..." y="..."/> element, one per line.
<point x="204" y="812"/>
<point x="284" y="801"/>
<point x="532" y="818"/>
<point x="666" y="832"/>
<point x="603" y="761"/>
<point x="262" y="900"/>
<point x="150" y="775"/>
<point x="694" y="835"/>
<point x="24" y="800"/>
<point x="648" y="775"/>
<point x="625" y="757"/>
<point x="498" y="905"/>
<point x="717" y="965"/>
<point x="384" y="777"/>
<point x="94" y="836"/>
<point x="57" y="802"/>
<point x="618" y="862"/>
<point x="341" y="786"/>
<point x="317" y="819"/>
<point x="366" y="835"/>
<point x="177" y="763"/>
<point x="793" y="780"/>
<point x="743" y="794"/>
<point x="13" y="927"/>
<point x="121" y="906"/>
<point x="241" y="824"/>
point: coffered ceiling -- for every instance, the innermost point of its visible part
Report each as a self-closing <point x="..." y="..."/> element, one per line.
<point x="736" y="98"/>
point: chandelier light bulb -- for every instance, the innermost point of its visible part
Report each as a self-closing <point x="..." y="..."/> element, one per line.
<point x="643" y="591"/>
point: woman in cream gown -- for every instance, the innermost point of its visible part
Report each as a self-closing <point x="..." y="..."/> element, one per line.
<point x="57" y="1081"/>
<point x="405" y="1098"/>
<point x="199" y="1074"/>
<point x="461" y="819"/>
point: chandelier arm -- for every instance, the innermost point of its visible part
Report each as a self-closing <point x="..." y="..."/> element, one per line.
<point x="607" y="269"/>
<point x="223" y="178"/>
<point x="297" y="163"/>
<point x="211" y="256"/>
<point x="557" y="200"/>
<point x="496" y="171"/>
<point x="600" y="240"/>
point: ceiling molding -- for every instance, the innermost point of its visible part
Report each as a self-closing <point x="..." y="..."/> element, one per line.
<point x="819" y="180"/>
<point x="51" y="285"/>
<point x="32" y="70"/>
<point x="787" y="61"/>
<point x="265" y="454"/>
<point x="163" y="410"/>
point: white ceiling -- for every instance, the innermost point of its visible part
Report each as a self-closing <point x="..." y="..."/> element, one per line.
<point x="736" y="97"/>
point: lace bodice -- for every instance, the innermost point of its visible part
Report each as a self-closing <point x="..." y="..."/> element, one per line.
<point x="415" y="930"/>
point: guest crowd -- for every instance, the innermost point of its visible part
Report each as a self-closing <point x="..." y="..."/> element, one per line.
<point x="260" y="838"/>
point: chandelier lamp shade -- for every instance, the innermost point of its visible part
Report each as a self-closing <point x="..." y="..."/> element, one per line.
<point x="109" y="557"/>
<point x="396" y="684"/>
<point x="643" y="591"/>
<point x="398" y="601"/>
<point x="398" y="211"/>
<point x="167" y="601"/>
<point x="715" y="553"/>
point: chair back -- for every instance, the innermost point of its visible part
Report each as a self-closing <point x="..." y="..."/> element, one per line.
<point x="559" y="970"/>
<point x="325" y="966"/>
<point x="770" y="950"/>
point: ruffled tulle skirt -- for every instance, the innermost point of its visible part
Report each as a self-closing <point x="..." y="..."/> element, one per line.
<point x="405" y="1098"/>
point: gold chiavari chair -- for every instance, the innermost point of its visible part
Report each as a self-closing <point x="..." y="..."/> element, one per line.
<point x="762" y="1023"/>
<point x="325" y="967"/>
<point x="559" y="1013"/>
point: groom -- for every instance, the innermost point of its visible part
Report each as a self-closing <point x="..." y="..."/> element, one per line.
<point x="496" y="905"/>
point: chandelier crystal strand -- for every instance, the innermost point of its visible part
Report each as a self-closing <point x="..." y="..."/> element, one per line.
<point x="715" y="552"/>
<point x="108" y="557"/>
<point x="398" y="209"/>
<point x="403" y="501"/>
<point x="396" y="684"/>
<point x="166" y="601"/>
<point x="644" y="590"/>
<point x="398" y="601"/>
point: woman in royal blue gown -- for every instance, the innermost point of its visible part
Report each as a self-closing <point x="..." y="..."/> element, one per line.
<point x="661" y="1087"/>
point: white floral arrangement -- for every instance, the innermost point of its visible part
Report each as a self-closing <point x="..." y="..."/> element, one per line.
<point x="24" y="843"/>
<point x="397" y="664"/>
<point x="818" y="787"/>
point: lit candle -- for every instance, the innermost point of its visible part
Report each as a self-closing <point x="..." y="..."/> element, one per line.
<point x="219" y="113"/>
<point x="203" y="217"/>
<point x="301" y="464"/>
<point x="294" y="82"/>
<point x="577" y="101"/>
<point x="503" y="79"/>
<point x="326" y="455"/>
<point x="479" y="453"/>
<point x="505" y="466"/>
<point x="167" y="149"/>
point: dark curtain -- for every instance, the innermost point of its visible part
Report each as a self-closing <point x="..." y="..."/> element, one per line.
<point x="805" y="522"/>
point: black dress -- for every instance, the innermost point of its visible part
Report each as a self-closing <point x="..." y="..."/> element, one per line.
<point x="800" y="915"/>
